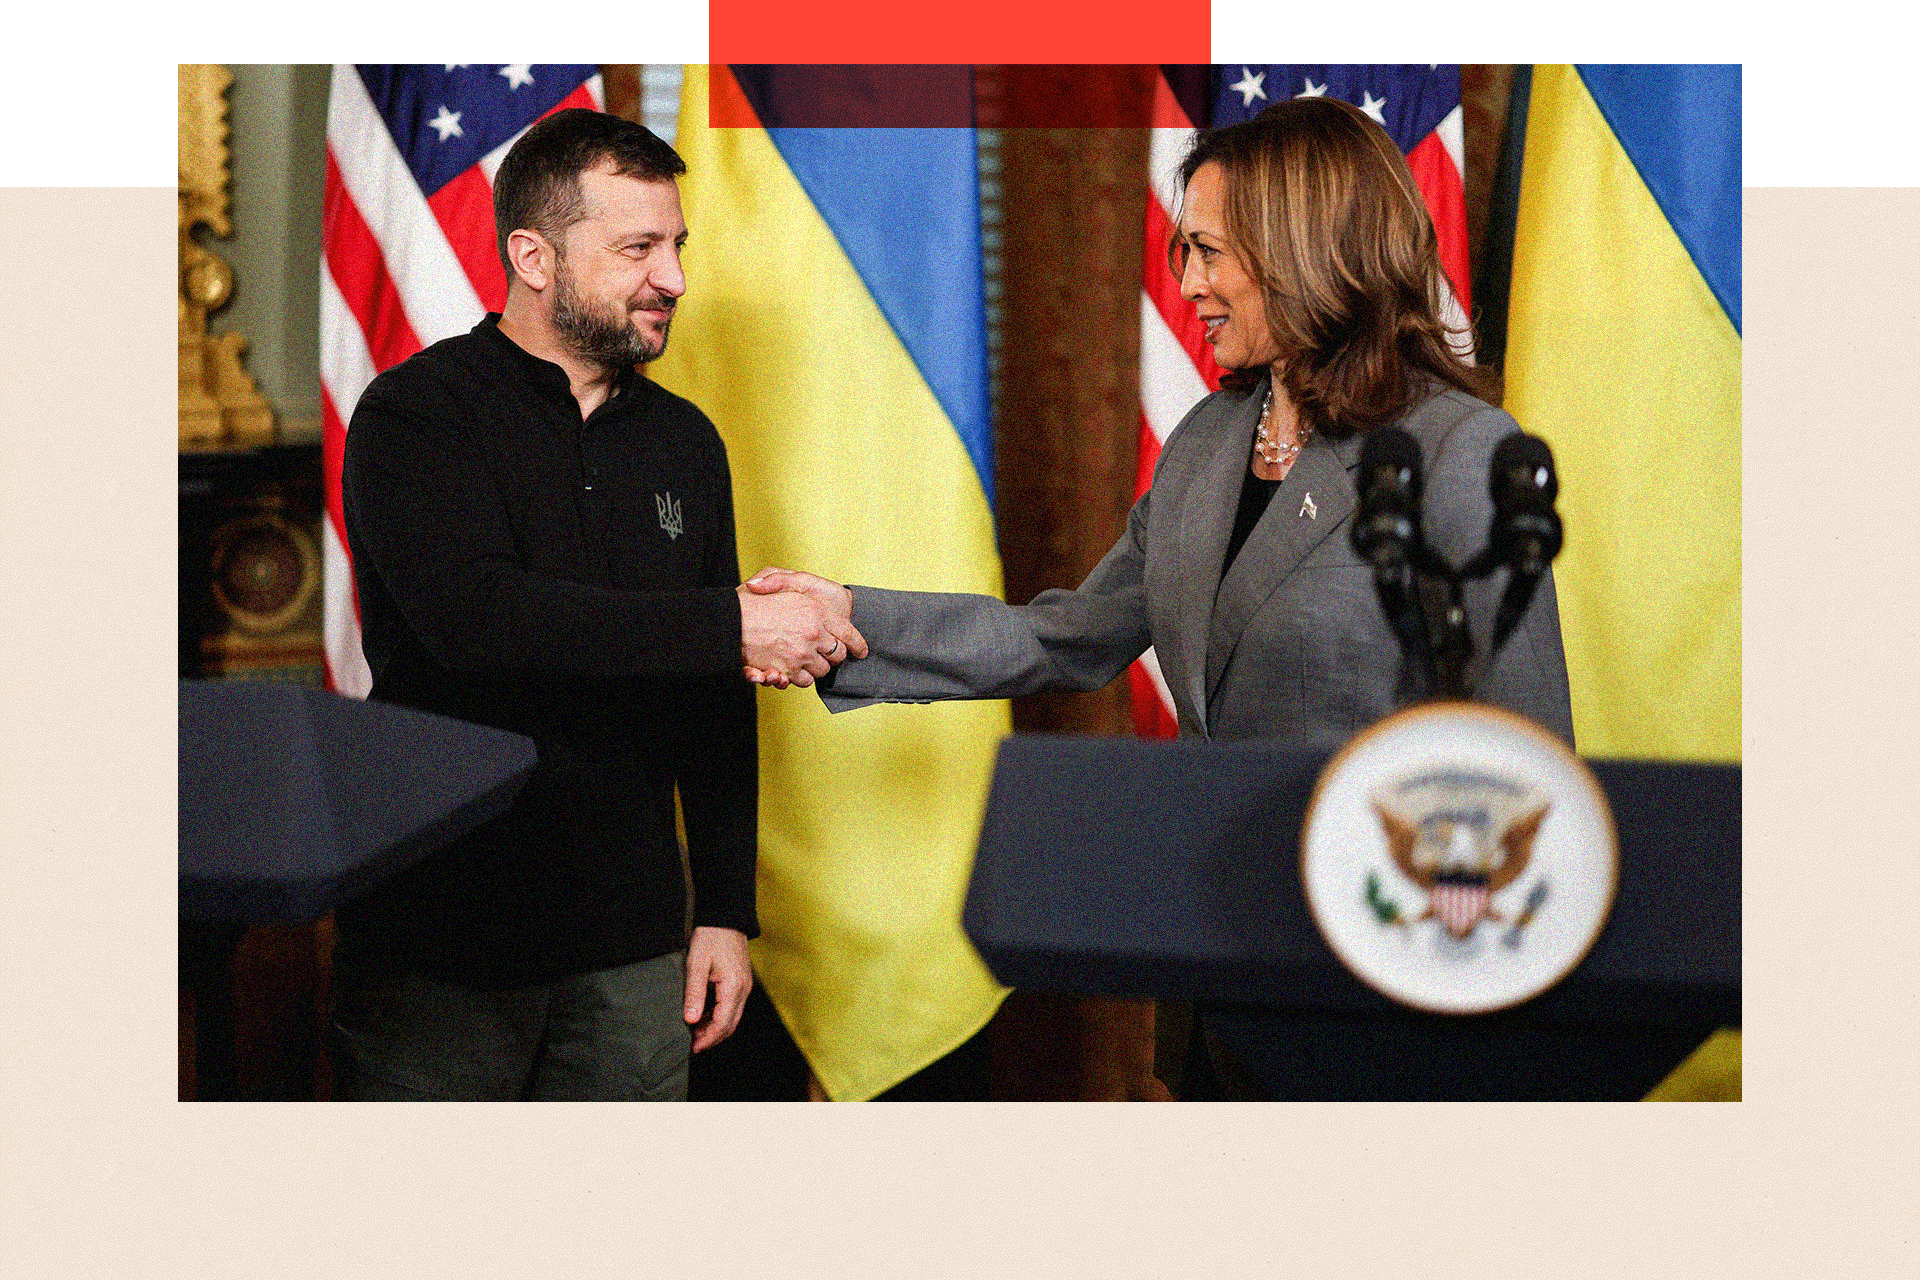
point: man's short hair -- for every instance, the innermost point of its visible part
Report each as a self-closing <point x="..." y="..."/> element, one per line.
<point x="537" y="187"/>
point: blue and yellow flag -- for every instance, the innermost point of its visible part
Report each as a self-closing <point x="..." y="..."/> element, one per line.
<point x="1624" y="352"/>
<point x="834" y="330"/>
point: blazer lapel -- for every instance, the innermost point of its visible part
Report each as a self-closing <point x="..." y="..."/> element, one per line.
<point x="1206" y="520"/>
<point x="1311" y="503"/>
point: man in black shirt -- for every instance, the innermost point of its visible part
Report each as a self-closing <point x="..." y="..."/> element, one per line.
<point x="543" y="541"/>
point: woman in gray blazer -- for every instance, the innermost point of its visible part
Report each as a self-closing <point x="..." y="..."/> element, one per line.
<point x="1309" y="255"/>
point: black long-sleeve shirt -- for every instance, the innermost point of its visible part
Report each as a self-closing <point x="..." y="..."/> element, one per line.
<point x="573" y="581"/>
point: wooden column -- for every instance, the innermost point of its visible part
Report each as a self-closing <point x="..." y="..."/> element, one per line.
<point x="1065" y="436"/>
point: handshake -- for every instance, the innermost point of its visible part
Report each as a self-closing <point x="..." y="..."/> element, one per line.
<point x="795" y="627"/>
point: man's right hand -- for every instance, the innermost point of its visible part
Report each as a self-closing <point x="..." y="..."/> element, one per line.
<point x="837" y="599"/>
<point x="788" y="636"/>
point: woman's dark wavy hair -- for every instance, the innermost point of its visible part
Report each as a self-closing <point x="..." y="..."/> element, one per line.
<point x="1323" y="213"/>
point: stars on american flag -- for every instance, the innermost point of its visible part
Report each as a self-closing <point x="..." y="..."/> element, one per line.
<point x="1398" y="98"/>
<point x="446" y="124"/>
<point x="1249" y="86"/>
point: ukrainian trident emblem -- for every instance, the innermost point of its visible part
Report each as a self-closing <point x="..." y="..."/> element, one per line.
<point x="669" y="508"/>
<point x="1461" y="837"/>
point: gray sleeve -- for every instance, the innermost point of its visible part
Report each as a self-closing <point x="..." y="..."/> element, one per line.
<point x="1529" y="674"/>
<point x="934" y="646"/>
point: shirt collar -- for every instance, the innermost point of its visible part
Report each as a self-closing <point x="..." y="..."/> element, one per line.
<point x="546" y="376"/>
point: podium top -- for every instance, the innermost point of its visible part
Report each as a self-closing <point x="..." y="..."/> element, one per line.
<point x="1171" y="870"/>
<point x="293" y="799"/>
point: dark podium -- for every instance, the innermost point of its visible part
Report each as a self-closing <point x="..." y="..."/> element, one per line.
<point x="1171" y="870"/>
<point x="293" y="800"/>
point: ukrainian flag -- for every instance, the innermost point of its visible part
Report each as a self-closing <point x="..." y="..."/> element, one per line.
<point x="834" y="330"/>
<point x="1624" y="352"/>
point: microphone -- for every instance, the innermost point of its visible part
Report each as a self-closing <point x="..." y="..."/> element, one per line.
<point x="1526" y="533"/>
<point x="1386" y="526"/>
<point x="1386" y="534"/>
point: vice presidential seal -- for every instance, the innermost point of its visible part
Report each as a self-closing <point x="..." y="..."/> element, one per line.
<point x="1458" y="858"/>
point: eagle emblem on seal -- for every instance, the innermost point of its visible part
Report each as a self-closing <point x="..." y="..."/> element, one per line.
<point x="1461" y="837"/>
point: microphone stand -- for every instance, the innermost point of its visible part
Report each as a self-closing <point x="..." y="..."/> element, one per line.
<point x="1445" y="606"/>
<point x="1420" y="592"/>
<point x="1437" y="641"/>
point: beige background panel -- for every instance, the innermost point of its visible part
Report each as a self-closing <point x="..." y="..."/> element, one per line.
<point x="103" y="1175"/>
<point x="1832" y="603"/>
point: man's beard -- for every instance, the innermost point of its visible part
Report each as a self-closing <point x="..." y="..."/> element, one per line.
<point x="609" y="340"/>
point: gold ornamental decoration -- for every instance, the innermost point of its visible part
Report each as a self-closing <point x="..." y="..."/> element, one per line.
<point x="220" y="407"/>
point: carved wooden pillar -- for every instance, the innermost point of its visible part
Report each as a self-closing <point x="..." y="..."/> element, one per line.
<point x="220" y="408"/>
<point x="1066" y="438"/>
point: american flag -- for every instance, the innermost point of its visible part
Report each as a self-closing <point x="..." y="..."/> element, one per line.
<point x="409" y="255"/>
<point x="1418" y="105"/>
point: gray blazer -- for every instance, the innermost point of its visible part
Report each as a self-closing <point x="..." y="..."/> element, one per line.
<point x="1290" y="644"/>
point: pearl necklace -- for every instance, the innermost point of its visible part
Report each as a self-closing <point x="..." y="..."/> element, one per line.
<point x="1272" y="452"/>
